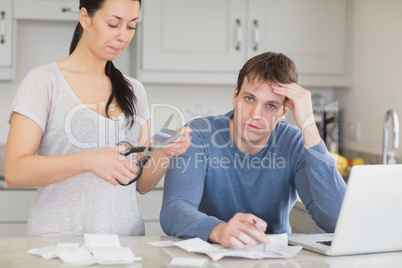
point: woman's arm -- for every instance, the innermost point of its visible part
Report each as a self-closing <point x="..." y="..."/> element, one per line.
<point x="156" y="166"/>
<point x="23" y="168"/>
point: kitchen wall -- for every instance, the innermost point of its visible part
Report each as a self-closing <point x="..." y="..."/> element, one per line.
<point x="37" y="43"/>
<point x="377" y="66"/>
<point x="377" y="70"/>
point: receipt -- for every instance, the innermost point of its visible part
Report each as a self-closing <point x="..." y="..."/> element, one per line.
<point x="52" y="251"/>
<point x="162" y="244"/>
<point x="114" y="255"/>
<point x="79" y="256"/>
<point x="101" y="240"/>
<point x="278" y="249"/>
<point x="188" y="262"/>
<point x="98" y="249"/>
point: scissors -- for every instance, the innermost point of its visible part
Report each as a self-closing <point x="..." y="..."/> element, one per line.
<point x="162" y="137"/>
<point x="140" y="164"/>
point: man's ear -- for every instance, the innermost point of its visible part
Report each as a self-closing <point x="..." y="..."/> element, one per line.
<point x="235" y="97"/>
<point x="285" y="112"/>
<point x="84" y="18"/>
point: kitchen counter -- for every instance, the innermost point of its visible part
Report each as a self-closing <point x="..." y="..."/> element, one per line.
<point x="13" y="254"/>
<point x="3" y="183"/>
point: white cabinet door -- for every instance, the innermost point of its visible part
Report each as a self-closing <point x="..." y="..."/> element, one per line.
<point x="193" y="35"/>
<point x="61" y="10"/>
<point x="311" y="32"/>
<point x="14" y="209"/>
<point x="6" y="40"/>
<point x="149" y="206"/>
<point x="207" y="42"/>
<point x="5" y="33"/>
<point x="301" y="221"/>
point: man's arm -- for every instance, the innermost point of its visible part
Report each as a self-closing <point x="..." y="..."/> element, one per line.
<point x="318" y="182"/>
<point x="183" y="188"/>
<point x="183" y="191"/>
<point x="299" y="102"/>
<point x="320" y="186"/>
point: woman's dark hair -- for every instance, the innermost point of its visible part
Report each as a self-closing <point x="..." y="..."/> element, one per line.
<point x="269" y="67"/>
<point x="121" y="88"/>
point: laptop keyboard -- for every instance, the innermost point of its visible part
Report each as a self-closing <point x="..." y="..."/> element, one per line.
<point x="326" y="243"/>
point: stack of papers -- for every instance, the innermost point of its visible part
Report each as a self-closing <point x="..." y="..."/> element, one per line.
<point x="98" y="249"/>
<point x="277" y="248"/>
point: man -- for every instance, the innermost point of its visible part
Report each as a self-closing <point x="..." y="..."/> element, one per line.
<point x="243" y="170"/>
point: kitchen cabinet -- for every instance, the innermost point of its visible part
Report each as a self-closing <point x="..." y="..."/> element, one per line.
<point x="301" y="221"/>
<point x="7" y="69"/>
<point x="207" y="42"/>
<point x="14" y="209"/>
<point x="66" y="10"/>
<point x="15" y="205"/>
<point x="193" y="35"/>
<point x="150" y="206"/>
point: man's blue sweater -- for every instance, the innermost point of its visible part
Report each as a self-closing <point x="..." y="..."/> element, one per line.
<point x="214" y="180"/>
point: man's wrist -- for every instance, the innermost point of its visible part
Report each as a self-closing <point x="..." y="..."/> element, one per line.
<point x="214" y="236"/>
<point x="311" y="136"/>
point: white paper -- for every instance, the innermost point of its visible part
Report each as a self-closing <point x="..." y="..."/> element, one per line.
<point x="277" y="242"/>
<point x="101" y="240"/>
<point x="188" y="262"/>
<point x="278" y="249"/>
<point x="52" y="251"/>
<point x="79" y="256"/>
<point x="98" y="249"/>
<point x="68" y="245"/>
<point x="114" y="255"/>
<point x="162" y="244"/>
<point x="46" y="253"/>
<point x="193" y="245"/>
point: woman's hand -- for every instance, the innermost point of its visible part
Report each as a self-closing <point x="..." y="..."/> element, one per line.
<point x="180" y="145"/>
<point x="156" y="166"/>
<point x="112" y="167"/>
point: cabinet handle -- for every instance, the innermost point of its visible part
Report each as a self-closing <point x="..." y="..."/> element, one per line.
<point x="239" y="34"/>
<point x="2" y="27"/>
<point x="70" y="10"/>
<point x="256" y="35"/>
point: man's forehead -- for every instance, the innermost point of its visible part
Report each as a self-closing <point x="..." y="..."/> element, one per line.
<point x="256" y="85"/>
<point x="262" y="89"/>
<point x="257" y="82"/>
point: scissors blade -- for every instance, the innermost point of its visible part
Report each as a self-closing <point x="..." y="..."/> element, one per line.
<point x="168" y="121"/>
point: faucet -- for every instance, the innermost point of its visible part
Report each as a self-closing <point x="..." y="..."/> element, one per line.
<point x="390" y="113"/>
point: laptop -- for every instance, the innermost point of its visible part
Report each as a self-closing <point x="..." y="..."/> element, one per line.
<point x="370" y="219"/>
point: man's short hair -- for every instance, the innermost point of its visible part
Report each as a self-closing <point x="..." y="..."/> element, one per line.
<point x="268" y="67"/>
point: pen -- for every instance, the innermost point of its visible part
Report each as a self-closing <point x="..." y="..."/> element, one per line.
<point x="259" y="229"/>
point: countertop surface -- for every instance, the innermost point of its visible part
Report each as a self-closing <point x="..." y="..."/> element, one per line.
<point x="4" y="185"/>
<point x="13" y="254"/>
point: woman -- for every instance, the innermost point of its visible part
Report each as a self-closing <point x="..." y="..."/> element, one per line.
<point x="65" y="123"/>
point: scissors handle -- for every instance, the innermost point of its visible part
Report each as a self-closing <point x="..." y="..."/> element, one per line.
<point x="132" y="149"/>
<point x="141" y="165"/>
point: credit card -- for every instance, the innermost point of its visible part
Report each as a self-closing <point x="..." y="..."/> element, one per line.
<point x="165" y="136"/>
